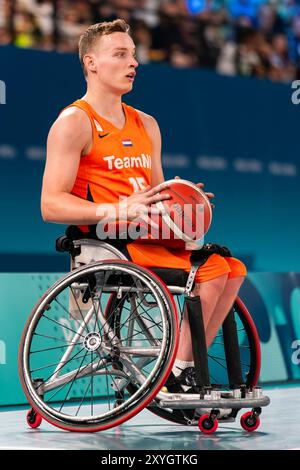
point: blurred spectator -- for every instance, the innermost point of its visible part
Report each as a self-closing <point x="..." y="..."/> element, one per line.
<point x="103" y="11"/>
<point x="241" y="57"/>
<point x="5" y="8"/>
<point x="147" y="10"/>
<point x="143" y="42"/>
<point x="248" y="60"/>
<point x="74" y="17"/>
<point x="165" y="33"/>
<point x="282" y="68"/>
<point x="294" y="37"/>
<point x="226" y="63"/>
<point x="182" y="58"/>
<point x="124" y="9"/>
<point x="43" y="12"/>
<point x="254" y="38"/>
<point x="26" y="29"/>
<point x="268" y="21"/>
<point x="211" y="41"/>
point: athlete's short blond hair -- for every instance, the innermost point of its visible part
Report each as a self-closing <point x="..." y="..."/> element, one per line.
<point x="93" y="33"/>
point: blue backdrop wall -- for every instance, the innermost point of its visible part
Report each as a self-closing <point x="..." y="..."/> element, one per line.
<point x="239" y="136"/>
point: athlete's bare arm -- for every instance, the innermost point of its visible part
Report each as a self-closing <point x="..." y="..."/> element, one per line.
<point x="69" y="138"/>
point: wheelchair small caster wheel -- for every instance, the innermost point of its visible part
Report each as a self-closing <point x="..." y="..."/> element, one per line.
<point x="249" y="421"/>
<point x="33" y="419"/>
<point x="207" y="425"/>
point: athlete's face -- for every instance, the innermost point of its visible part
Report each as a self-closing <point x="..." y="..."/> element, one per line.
<point x="115" y="61"/>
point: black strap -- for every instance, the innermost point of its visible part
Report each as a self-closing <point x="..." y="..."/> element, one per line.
<point x="207" y="250"/>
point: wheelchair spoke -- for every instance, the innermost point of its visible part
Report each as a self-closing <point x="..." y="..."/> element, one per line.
<point x="59" y="389"/>
<point x="56" y="364"/>
<point x="55" y="347"/>
<point x="72" y="382"/>
<point x="107" y="388"/>
<point x="115" y="384"/>
<point x="215" y="360"/>
<point x="139" y="332"/>
<point x="51" y="337"/>
<point x="127" y="320"/>
<point x="66" y="383"/>
<point x="136" y="308"/>
<point x="111" y="375"/>
<point x="64" y="308"/>
<point x="151" y="319"/>
<point x="96" y="311"/>
<point x="224" y="359"/>
<point x="214" y="380"/>
<point x="221" y="334"/>
<point x="63" y="326"/>
<point x="139" y="339"/>
<point x="90" y="384"/>
<point x="83" y="398"/>
<point x="147" y="364"/>
<point x="133" y="313"/>
<point x="241" y="345"/>
<point x="81" y="314"/>
<point x="217" y="357"/>
<point x="111" y="314"/>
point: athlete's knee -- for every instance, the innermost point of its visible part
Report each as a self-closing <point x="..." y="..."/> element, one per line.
<point x="237" y="268"/>
<point x="213" y="285"/>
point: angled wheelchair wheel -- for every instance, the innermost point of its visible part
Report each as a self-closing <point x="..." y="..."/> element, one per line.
<point x="75" y="369"/>
<point x="249" y="347"/>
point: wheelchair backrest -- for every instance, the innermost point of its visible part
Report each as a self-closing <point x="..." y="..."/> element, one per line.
<point x="88" y="250"/>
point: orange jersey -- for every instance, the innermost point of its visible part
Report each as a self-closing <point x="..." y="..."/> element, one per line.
<point x="119" y="162"/>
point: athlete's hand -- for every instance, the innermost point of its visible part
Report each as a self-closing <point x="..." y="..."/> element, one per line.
<point x="201" y="186"/>
<point x="140" y="204"/>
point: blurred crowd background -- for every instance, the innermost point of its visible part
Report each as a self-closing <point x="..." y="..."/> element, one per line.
<point x="254" y="38"/>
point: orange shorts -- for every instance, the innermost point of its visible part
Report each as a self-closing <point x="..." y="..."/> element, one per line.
<point x="160" y="257"/>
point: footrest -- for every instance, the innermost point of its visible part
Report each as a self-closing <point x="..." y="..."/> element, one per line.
<point x="181" y="401"/>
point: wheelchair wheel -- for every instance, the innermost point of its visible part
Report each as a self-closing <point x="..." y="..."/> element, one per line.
<point x="75" y="370"/>
<point x="249" y="352"/>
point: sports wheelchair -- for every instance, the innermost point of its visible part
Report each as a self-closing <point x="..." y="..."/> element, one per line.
<point x="99" y="346"/>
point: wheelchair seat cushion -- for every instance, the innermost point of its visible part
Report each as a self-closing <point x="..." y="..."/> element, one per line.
<point x="171" y="277"/>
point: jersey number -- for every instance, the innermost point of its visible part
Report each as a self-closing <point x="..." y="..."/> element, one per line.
<point x="138" y="184"/>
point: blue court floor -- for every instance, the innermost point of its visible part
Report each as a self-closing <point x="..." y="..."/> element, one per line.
<point x="279" y="429"/>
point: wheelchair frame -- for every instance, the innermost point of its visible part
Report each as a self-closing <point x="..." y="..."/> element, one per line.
<point x="84" y="252"/>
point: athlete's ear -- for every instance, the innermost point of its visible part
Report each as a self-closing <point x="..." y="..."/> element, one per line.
<point x="89" y="62"/>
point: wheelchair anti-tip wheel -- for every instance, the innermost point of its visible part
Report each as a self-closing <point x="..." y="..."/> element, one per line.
<point x="75" y="368"/>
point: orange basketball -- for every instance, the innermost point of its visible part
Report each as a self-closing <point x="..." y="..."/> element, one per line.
<point x="186" y="219"/>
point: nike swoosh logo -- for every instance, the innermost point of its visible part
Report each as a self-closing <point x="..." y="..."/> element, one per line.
<point x="104" y="135"/>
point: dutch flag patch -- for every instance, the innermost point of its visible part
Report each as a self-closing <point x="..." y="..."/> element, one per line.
<point x="127" y="142"/>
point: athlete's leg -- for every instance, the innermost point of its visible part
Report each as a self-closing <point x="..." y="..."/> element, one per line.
<point x="209" y="292"/>
<point x="236" y="277"/>
<point x="217" y="296"/>
<point x="222" y="308"/>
